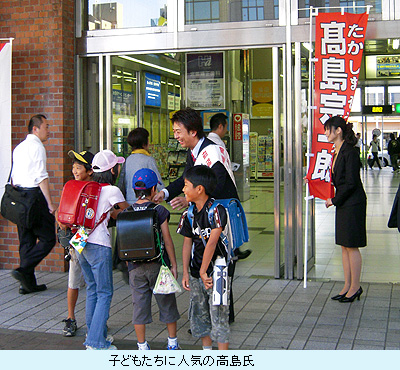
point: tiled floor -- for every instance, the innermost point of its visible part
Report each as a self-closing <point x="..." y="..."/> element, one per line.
<point x="270" y="314"/>
<point x="381" y="258"/>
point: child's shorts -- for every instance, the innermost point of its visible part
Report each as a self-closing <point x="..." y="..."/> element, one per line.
<point x="206" y="319"/>
<point x="75" y="276"/>
<point x="142" y="280"/>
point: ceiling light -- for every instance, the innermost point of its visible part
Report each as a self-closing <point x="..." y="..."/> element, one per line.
<point x="150" y="65"/>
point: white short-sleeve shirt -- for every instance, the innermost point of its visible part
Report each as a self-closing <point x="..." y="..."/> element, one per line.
<point x="29" y="163"/>
<point x="109" y="196"/>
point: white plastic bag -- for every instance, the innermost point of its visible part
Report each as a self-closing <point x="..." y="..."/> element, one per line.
<point x="166" y="283"/>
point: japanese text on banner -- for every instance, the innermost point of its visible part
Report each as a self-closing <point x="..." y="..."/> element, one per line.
<point x="338" y="50"/>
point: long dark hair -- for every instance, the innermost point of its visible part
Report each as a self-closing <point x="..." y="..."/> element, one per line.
<point x="347" y="129"/>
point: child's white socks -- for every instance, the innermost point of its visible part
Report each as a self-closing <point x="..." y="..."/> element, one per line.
<point x="143" y="346"/>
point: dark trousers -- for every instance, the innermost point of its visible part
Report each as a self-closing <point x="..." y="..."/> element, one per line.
<point x="375" y="159"/>
<point x="393" y="159"/>
<point x="37" y="242"/>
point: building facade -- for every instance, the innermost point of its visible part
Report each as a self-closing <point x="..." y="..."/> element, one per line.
<point x="92" y="65"/>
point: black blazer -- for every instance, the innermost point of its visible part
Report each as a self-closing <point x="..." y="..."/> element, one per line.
<point x="225" y="187"/>
<point x="346" y="178"/>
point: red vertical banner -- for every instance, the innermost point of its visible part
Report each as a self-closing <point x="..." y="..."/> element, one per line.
<point x="339" y="43"/>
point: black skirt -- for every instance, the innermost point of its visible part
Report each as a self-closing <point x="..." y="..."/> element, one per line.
<point x="351" y="229"/>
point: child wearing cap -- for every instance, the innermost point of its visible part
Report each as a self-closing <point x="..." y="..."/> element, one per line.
<point x="143" y="275"/>
<point x="96" y="257"/>
<point x="82" y="171"/>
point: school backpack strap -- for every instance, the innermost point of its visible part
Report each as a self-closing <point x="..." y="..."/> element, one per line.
<point x="160" y="242"/>
<point x="190" y="214"/>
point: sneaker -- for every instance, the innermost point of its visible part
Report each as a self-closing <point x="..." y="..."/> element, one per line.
<point x="176" y="347"/>
<point x="112" y="347"/>
<point x="70" y="328"/>
<point x="141" y="348"/>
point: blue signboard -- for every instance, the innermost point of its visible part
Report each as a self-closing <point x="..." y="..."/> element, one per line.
<point x="152" y="89"/>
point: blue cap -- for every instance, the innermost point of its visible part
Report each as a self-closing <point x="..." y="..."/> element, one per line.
<point x="147" y="176"/>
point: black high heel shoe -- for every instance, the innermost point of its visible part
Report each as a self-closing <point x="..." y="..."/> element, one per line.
<point x="338" y="296"/>
<point x="357" y="295"/>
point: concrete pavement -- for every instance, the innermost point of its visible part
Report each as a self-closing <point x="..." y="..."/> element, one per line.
<point x="270" y="314"/>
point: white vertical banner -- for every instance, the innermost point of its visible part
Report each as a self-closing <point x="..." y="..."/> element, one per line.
<point x="5" y="112"/>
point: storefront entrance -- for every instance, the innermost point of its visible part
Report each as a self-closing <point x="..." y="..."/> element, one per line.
<point x="131" y="90"/>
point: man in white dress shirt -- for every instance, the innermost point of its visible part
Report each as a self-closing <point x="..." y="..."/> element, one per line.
<point x="29" y="172"/>
<point x="219" y="128"/>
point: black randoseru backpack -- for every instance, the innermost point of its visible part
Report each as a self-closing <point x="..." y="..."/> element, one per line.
<point x="139" y="235"/>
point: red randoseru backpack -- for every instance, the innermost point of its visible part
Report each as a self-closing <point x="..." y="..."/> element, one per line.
<point x="78" y="204"/>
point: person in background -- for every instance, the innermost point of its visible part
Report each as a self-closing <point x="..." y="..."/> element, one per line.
<point x="374" y="150"/>
<point x="351" y="205"/>
<point x="82" y="171"/>
<point x="140" y="157"/>
<point x="219" y="128"/>
<point x="393" y="151"/>
<point x="138" y="139"/>
<point x="29" y="172"/>
<point x="358" y="146"/>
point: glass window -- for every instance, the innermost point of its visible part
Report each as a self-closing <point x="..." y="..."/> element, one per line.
<point x="254" y="11"/>
<point x="252" y="14"/>
<point x="189" y="13"/>
<point x="393" y="94"/>
<point x="374" y="95"/>
<point x="376" y="6"/>
<point x="213" y="11"/>
<point x="245" y="14"/>
<point x="123" y="105"/>
<point x="111" y="14"/>
<point x="276" y="9"/>
<point x="201" y="11"/>
<point x="350" y="3"/>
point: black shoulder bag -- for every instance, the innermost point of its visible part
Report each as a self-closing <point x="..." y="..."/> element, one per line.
<point x="19" y="206"/>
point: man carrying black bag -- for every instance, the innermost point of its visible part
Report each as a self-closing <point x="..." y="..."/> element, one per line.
<point x="29" y="174"/>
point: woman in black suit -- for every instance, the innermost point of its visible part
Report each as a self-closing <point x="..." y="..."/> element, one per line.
<point x="351" y="205"/>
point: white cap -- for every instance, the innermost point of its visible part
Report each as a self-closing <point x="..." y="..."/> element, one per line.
<point x="105" y="160"/>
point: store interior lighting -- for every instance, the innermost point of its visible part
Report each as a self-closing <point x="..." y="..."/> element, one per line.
<point x="150" y="65"/>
